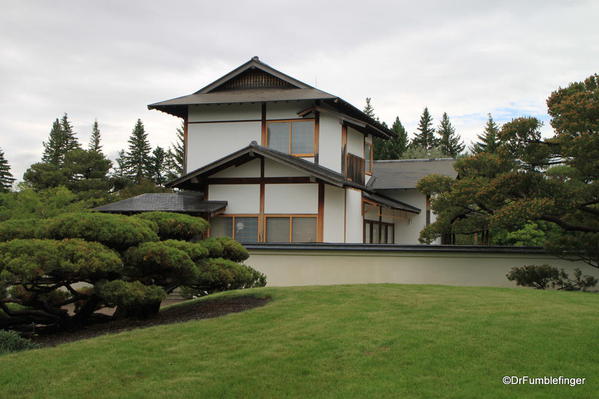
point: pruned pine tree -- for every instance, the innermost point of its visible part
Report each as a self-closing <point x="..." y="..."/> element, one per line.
<point x="425" y="137"/>
<point x="450" y="143"/>
<point x="489" y="140"/>
<point x="6" y="178"/>
<point x="138" y="158"/>
<point x="94" y="140"/>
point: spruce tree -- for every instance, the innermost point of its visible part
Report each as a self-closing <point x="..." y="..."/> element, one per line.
<point x="392" y="148"/>
<point x="94" y="140"/>
<point x="159" y="166"/>
<point x="54" y="147"/>
<point x="451" y="143"/>
<point x="369" y="109"/>
<point x="138" y="158"/>
<point x="70" y="140"/>
<point x="176" y="155"/>
<point x="6" y="179"/>
<point x="425" y="137"/>
<point x="488" y="141"/>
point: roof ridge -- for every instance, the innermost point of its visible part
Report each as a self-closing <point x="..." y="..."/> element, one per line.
<point x="414" y="160"/>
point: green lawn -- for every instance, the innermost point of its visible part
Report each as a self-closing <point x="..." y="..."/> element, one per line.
<point x="367" y="341"/>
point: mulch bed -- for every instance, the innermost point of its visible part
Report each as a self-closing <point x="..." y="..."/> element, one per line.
<point x="176" y="314"/>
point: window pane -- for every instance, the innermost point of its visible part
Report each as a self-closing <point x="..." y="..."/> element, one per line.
<point x="302" y="137"/>
<point x="375" y="233"/>
<point x="221" y="227"/>
<point x="246" y="229"/>
<point x="278" y="136"/>
<point x="304" y="230"/>
<point x="391" y="237"/>
<point x="367" y="238"/>
<point x="277" y="229"/>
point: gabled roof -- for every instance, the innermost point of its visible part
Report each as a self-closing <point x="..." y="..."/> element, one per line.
<point x="257" y="82"/>
<point x="319" y="173"/>
<point x="254" y="64"/>
<point x="165" y="202"/>
<point x="405" y="173"/>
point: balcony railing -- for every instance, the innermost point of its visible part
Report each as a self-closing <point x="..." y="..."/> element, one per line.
<point x="355" y="168"/>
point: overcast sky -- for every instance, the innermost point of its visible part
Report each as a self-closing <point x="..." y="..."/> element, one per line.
<point x="109" y="59"/>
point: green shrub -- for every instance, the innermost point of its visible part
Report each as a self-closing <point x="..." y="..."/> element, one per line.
<point x="196" y="250"/>
<point x="545" y="276"/>
<point x="223" y="274"/>
<point x="11" y="341"/>
<point x="162" y="263"/>
<point x="176" y="226"/>
<point x="132" y="299"/>
<point x="227" y="248"/>
<point x="21" y="228"/>
<point x="115" y="231"/>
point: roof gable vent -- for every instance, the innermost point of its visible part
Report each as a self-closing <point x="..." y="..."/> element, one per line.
<point x="254" y="78"/>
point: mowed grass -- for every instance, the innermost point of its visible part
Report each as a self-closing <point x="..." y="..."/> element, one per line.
<point x="363" y="341"/>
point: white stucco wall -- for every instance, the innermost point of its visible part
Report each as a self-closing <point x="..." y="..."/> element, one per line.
<point x="224" y="112"/>
<point x="355" y="142"/>
<point x="211" y="141"/>
<point x="248" y="169"/>
<point x="285" y="110"/>
<point x="289" y="268"/>
<point x="334" y="211"/>
<point x="407" y="230"/>
<point x="330" y="142"/>
<point x="291" y="198"/>
<point x="275" y="169"/>
<point x="241" y="198"/>
<point x="354" y="230"/>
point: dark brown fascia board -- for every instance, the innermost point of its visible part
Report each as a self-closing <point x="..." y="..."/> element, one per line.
<point x="253" y="63"/>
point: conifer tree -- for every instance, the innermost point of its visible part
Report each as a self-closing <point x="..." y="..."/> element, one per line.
<point x="425" y="137"/>
<point x="488" y="141"/>
<point x="70" y="140"/>
<point x="6" y="178"/>
<point x="138" y="157"/>
<point x="369" y="109"/>
<point x="451" y="143"/>
<point x="120" y="170"/>
<point x="159" y="166"/>
<point x="54" y="147"/>
<point x="94" y="140"/>
<point x="394" y="147"/>
<point x="176" y="155"/>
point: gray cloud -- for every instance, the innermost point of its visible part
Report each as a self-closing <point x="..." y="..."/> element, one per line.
<point x="109" y="59"/>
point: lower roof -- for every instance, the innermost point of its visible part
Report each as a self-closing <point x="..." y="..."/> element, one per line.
<point x="405" y="173"/>
<point x="165" y="202"/>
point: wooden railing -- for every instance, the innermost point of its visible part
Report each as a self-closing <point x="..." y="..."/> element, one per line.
<point x="355" y="168"/>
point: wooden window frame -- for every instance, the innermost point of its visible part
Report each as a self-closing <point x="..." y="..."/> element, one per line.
<point x="289" y="216"/>
<point x="240" y="215"/>
<point x="290" y="121"/>
<point x="381" y="224"/>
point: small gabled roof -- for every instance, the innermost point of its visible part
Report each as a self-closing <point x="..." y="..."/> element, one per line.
<point x="313" y="170"/>
<point x="405" y="173"/>
<point x="257" y="82"/>
<point x="165" y="202"/>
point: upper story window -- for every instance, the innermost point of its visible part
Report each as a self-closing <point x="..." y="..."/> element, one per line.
<point x="292" y="137"/>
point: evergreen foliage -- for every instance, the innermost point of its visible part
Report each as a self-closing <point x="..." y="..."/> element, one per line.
<point x="138" y="159"/>
<point x="488" y="141"/>
<point x="158" y="167"/>
<point x="6" y="178"/>
<point x="176" y="155"/>
<point x="425" y="137"/>
<point x="394" y="147"/>
<point x="95" y="138"/>
<point x="121" y="257"/>
<point x="450" y="143"/>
